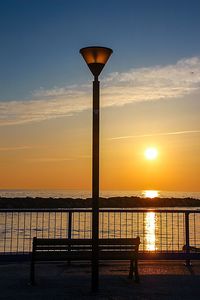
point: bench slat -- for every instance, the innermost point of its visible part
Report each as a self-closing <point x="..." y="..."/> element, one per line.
<point x="84" y="248"/>
<point x="117" y="241"/>
<point x="84" y="255"/>
<point x="64" y="248"/>
<point x="62" y="241"/>
<point x="120" y="241"/>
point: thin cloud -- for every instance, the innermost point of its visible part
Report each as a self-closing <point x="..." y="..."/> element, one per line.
<point x="136" y="85"/>
<point x="51" y="159"/>
<point x="56" y="159"/>
<point x="15" y="148"/>
<point x="154" y="134"/>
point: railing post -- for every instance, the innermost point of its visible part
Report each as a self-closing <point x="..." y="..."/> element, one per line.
<point x="187" y="238"/>
<point x="69" y="225"/>
<point x="69" y="231"/>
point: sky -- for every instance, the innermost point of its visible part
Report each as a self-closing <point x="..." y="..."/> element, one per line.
<point x="150" y="94"/>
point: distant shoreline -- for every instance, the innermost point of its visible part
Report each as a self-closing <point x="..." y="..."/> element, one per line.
<point x="113" y="202"/>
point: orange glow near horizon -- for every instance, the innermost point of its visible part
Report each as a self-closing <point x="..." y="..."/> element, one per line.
<point x="56" y="154"/>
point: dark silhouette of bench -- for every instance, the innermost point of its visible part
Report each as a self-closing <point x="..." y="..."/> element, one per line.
<point x="191" y="248"/>
<point x="60" y="249"/>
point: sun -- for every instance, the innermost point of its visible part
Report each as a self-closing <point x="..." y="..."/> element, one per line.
<point x="151" y="153"/>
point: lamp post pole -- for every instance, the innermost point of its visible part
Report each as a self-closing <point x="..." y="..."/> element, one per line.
<point x="96" y="58"/>
<point x="95" y="186"/>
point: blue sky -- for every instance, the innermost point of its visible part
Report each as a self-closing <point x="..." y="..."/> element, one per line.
<point x="40" y="40"/>
<point x="150" y="91"/>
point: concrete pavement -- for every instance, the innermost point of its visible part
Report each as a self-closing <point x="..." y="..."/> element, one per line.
<point x="159" y="280"/>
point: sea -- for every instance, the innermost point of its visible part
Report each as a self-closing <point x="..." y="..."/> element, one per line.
<point x="46" y="193"/>
<point x="158" y="230"/>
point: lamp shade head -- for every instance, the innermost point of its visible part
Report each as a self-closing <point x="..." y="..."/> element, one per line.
<point x="96" y="58"/>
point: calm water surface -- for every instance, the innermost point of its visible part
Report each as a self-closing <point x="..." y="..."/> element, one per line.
<point x="158" y="231"/>
<point x="87" y="194"/>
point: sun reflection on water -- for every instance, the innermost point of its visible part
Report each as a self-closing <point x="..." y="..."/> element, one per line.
<point x="150" y="236"/>
<point x="150" y="193"/>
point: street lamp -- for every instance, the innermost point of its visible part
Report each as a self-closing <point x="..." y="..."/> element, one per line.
<point x="96" y="58"/>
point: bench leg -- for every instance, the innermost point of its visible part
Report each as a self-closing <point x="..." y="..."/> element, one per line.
<point x="137" y="279"/>
<point x="32" y="274"/>
<point x="134" y="268"/>
<point x="131" y="270"/>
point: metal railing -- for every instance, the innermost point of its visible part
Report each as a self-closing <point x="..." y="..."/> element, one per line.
<point x="164" y="234"/>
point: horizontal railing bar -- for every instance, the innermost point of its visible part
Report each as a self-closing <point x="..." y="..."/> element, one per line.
<point x="7" y="210"/>
<point x="151" y="210"/>
<point x="142" y="255"/>
<point x="55" y="210"/>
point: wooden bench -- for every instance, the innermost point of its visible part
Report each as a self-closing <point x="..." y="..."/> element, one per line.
<point x="46" y="249"/>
